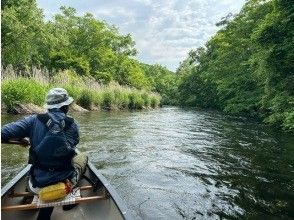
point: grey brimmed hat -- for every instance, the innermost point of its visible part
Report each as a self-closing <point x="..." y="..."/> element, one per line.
<point x="56" y="98"/>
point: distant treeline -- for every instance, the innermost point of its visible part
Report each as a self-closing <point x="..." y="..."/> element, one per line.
<point x="82" y="44"/>
<point x="248" y="66"/>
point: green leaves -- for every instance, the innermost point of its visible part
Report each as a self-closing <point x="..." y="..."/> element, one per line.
<point x="247" y="67"/>
<point x="22" y="33"/>
<point x="68" y="42"/>
<point x="22" y="91"/>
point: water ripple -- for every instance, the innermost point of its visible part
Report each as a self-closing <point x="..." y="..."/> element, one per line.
<point x="174" y="163"/>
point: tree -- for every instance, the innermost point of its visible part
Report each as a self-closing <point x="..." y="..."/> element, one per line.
<point x="22" y="31"/>
<point x="246" y="68"/>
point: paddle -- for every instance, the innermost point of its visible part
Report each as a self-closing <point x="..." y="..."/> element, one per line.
<point x="23" y="142"/>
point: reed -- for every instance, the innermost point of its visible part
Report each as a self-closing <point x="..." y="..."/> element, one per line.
<point x="85" y="99"/>
<point x="87" y="92"/>
<point x="23" y="90"/>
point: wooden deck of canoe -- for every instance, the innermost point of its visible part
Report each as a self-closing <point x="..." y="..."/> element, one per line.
<point x="98" y="200"/>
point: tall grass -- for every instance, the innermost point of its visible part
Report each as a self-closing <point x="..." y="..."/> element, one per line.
<point x="22" y="90"/>
<point x="87" y="92"/>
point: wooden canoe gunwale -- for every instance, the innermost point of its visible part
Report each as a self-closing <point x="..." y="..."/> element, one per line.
<point x="116" y="198"/>
<point x="112" y="192"/>
<point x="14" y="181"/>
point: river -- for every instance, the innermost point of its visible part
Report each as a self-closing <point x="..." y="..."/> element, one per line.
<point x="174" y="163"/>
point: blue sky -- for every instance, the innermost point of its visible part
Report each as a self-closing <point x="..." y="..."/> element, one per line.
<point x="164" y="30"/>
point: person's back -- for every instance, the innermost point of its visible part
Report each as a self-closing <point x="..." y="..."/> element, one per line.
<point x="53" y="138"/>
<point x="51" y="157"/>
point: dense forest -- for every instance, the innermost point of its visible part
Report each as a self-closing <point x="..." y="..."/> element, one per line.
<point x="83" y="44"/>
<point x="247" y="67"/>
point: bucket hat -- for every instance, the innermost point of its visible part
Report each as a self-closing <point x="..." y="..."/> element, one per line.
<point x="56" y="98"/>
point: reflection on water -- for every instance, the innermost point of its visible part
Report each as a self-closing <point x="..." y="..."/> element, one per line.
<point x="173" y="163"/>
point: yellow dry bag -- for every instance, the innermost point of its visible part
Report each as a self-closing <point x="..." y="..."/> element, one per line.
<point x="54" y="192"/>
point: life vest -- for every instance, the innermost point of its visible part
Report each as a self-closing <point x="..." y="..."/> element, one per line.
<point x="52" y="157"/>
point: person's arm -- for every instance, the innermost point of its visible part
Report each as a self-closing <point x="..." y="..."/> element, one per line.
<point x="72" y="135"/>
<point x="17" y="130"/>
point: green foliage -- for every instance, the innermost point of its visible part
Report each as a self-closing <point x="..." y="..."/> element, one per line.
<point x="135" y="100"/>
<point x="288" y="120"/>
<point x="130" y="73"/>
<point x="73" y="91"/>
<point x="22" y="90"/>
<point x="22" y="33"/>
<point x="193" y="84"/>
<point x="247" y="67"/>
<point x="61" y="61"/>
<point x="120" y="98"/>
<point x="68" y="42"/>
<point x="108" y="100"/>
<point x="147" y="99"/>
<point x="111" y="97"/>
<point x="67" y="45"/>
<point x="103" y="77"/>
<point x="97" y="99"/>
<point x="162" y="81"/>
<point x="85" y="99"/>
<point x="155" y="101"/>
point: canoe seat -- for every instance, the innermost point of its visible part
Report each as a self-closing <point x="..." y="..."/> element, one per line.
<point x="72" y="198"/>
<point x="68" y="200"/>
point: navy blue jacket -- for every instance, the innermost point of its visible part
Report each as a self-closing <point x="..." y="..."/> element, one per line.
<point x="34" y="129"/>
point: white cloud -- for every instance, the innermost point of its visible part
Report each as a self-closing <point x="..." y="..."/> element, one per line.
<point x="164" y="30"/>
<point x="146" y="2"/>
<point x="113" y="12"/>
<point x="175" y="27"/>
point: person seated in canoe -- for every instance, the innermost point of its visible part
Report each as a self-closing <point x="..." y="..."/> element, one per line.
<point x="53" y="137"/>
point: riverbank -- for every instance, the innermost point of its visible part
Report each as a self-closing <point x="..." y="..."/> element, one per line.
<point x="24" y="95"/>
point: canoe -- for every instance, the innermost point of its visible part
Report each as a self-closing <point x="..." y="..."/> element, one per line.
<point x="97" y="200"/>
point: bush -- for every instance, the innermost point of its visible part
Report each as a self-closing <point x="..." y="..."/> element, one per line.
<point x="85" y="99"/>
<point x="103" y="77"/>
<point x="121" y="98"/>
<point x="23" y="90"/>
<point x="72" y="91"/>
<point x="155" y="101"/>
<point x="147" y="99"/>
<point x="86" y="91"/>
<point x="97" y="99"/>
<point x="108" y="100"/>
<point x="135" y="100"/>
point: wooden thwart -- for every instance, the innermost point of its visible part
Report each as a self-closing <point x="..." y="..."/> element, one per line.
<point x="34" y="206"/>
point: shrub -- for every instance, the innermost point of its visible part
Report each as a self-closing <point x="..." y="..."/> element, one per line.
<point x="73" y="91"/>
<point x="97" y="98"/>
<point x="85" y="99"/>
<point x="23" y="90"/>
<point x="135" y="100"/>
<point x="146" y="98"/>
<point x="85" y="90"/>
<point x="155" y="101"/>
<point x="108" y="100"/>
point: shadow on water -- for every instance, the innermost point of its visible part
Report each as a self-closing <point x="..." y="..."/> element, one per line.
<point x="174" y="163"/>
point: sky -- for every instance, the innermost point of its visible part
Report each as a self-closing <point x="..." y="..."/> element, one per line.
<point x="164" y="30"/>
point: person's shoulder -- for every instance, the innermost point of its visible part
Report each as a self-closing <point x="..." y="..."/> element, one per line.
<point x="27" y="120"/>
<point x="30" y="117"/>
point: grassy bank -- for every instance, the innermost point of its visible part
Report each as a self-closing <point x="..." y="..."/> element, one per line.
<point x="87" y="92"/>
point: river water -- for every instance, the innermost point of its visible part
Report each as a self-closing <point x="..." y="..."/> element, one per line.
<point x="174" y="163"/>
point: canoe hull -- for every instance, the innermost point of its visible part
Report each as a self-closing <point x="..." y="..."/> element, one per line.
<point x="112" y="208"/>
